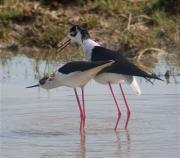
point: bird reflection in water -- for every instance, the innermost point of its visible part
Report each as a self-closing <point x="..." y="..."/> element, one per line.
<point x="82" y="149"/>
<point x="123" y="147"/>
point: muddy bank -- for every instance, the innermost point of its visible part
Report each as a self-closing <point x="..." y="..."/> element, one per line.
<point x="114" y="24"/>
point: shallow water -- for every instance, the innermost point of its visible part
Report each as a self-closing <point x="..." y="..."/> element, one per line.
<point x="46" y="125"/>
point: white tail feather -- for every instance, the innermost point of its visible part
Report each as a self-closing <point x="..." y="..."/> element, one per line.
<point x="134" y="85"/>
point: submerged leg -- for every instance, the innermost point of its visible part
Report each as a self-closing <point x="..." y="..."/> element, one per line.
<point x="84" y="110"/>
<point x="117" y="105"/>
<point x="80" y="108"/>
<point x="127" y="106"/>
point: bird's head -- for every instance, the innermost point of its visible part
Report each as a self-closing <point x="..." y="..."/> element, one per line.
<point x="45" y="82"/>
<point x="76" y="34"/>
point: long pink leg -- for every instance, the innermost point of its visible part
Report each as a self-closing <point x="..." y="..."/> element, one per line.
<point x="84" y="110"/>
<point x="80" y="108"/>
<point x="117" y="105"/>
<point x="127" y="106"/>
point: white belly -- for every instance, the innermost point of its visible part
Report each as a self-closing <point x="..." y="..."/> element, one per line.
<point x="74" y="79"/>
<point x="113" y="78"/>
<point x="106" y="78"/>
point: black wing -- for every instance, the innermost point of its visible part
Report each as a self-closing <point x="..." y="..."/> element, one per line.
<point x="128" y="69"/>
<point x="122" y="66"/>
<point x="80" y="66"/>
<point x="101" y="53"/>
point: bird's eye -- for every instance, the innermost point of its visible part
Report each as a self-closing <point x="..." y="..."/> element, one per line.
<point x="73" y="33"/>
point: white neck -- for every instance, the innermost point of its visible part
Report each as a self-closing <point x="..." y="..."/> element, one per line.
<point x="87" y="46"/>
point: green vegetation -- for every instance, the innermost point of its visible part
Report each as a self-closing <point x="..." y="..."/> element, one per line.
<point x="9" y="13"/>
<point x="43" y="34"/>
<point x="126" y="24"/>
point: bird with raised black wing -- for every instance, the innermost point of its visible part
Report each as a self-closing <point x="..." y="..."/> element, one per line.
<point x="74" y="74"/>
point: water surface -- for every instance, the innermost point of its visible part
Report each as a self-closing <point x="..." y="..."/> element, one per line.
<point x="38" y="124"/>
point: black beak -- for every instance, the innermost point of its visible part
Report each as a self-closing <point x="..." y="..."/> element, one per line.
<point x="63" y="45"/>
<point x="37" y="85"/>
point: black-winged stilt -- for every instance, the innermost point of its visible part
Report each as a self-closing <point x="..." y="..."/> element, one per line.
<point x="122" y="70"/>
<point x="74" y="74"/>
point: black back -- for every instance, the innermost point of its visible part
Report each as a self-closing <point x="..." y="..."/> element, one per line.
<point x="101" y="53"/>
<point x="122" y="66"/>
<point x="80" y="66"/>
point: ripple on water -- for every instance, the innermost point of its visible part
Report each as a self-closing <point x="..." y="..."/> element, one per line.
<point x="36" y="133"/>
